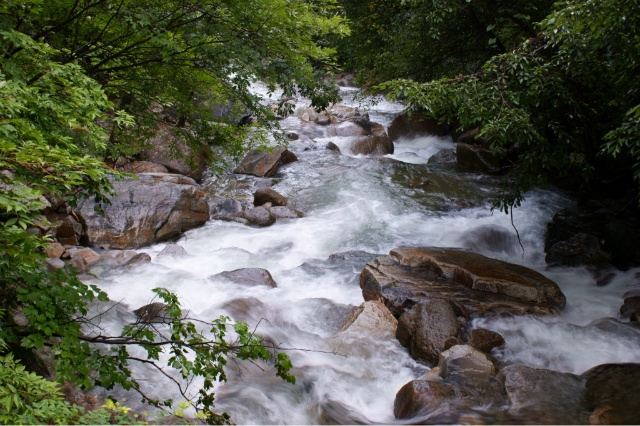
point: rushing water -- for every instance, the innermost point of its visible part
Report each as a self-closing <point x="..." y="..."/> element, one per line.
<point x="365" y="206"/>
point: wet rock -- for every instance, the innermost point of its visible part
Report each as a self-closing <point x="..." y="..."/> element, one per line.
<point x="378" y="130"/>
<point x="265" y="163"/>
<point x="414" y="126"/>
<point x="336" y="413"/>
<point x="259" y="216"/>
<point x="425" y="328"/>
<point x="580" y="249"/>
<point x="342" y="113"/>
<point x="248" y="276"/>
<point x="162" y="152"/>
<point x="153" y="313"/>
<point x="333" y="147"/>
<point x="421" y="398"/>
<point x="292" y="136"/>
<point x="605" y="279"/>
<point x="371" y="317"/>
<point x="268" y="195"/>
<point x="109" y="260"/>
<point x="172" y="250"/>
<point x="153" y="208"/>
<point x="483" y="286"/>
<point x="473" y="158"/>
<point x="281" y="212"/>
<point x="457" y="203"/>
<point x="631" y="306"/>
<point x="137" y="260"/>
<point x="54" y="250"/>
<point x="467" y="364"/>
<point x="137" y="167"/>
<point x="539" y="396"/>
<point x="444" y="156"/>
<point x="485" y="340"/>
<point x="247" y="309"/>
<point x="613" y="392"/>
<point x="323" y="120"/>
<point x="371" y="145"/>
<point x="347" y="129"/>
<point x="227" y="206"/>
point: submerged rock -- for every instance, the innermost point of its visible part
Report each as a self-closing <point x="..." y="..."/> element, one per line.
<point x="248" y="276"/>
<point x="371" y="145"/>
<point x="154" y="208"/>
<point x="483" y="286"/>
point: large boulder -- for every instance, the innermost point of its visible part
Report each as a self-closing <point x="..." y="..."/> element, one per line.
<point x="164" y="147"/>
<point x="371" y="145"/>
<point x="481" y="285"/>
<point x="156" y="207"/>
<point x="265" y="163"/>
<point x="426" y="327"/>
<point x="414" y="126"/>
<point x="538" y="396"/>
<point x="613" y="392"/>
<point x="137" y="167"/>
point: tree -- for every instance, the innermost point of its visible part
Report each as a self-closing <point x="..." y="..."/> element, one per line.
<point x="560" y="106"/>
<point x="76" y="81"/>
<point x="427" y="39"/>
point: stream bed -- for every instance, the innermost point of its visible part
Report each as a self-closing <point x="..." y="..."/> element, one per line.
<point x="357" y="208"/>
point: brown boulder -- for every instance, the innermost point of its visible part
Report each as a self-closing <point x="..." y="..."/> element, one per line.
<point x="248" y="276"/>
<point x="425" y="328"/>
<point x="483" y="286"/>
<point x="414" y="126"/>
<point x="258" y="216"/>
<point x="422" y="397"/>
<point x="485" y="340"/>
<point x="153" y="208"/>
<point x="265" y="163"/>
<point x="268" y="195"/>
<point x="371" y="145"/>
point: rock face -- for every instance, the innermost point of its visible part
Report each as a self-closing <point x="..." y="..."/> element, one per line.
<point x="415" y="126"/>
<point x="480" y="285"/>
<point x="138" y="167"/>
<point x="156" y="207"/>
<point x="613" y="392"/>
<point x="161" y="153"/>
<point x="248" y="276"/>
<point x="265" y="163"/>
<point x="426" y="327"/>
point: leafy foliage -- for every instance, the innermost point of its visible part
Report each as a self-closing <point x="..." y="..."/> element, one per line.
<point x="426" y="39"/>
<point x="551" y="103"/>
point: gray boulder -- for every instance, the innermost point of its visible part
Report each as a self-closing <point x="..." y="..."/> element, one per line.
<point x="265" y="163"/>
<point x="248" y="276"/>
<point x="154" y="208"/>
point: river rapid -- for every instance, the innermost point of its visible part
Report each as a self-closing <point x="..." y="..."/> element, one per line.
<point x="363" y="207"/>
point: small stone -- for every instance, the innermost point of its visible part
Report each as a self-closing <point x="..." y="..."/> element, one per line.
<point x="89" y="256"/>
<point x="485" y="340"/>
<point x="248" y="276"/>
<point x="54" y="250"/>
<point x="172" y="250"/>
<point x="268" y="195"/>
<point x="467" y="363"/>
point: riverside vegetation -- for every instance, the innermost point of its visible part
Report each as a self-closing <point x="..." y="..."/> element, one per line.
<point x="555" y="102"/>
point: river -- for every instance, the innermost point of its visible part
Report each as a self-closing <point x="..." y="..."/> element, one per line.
<point x="364" y="206"/>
